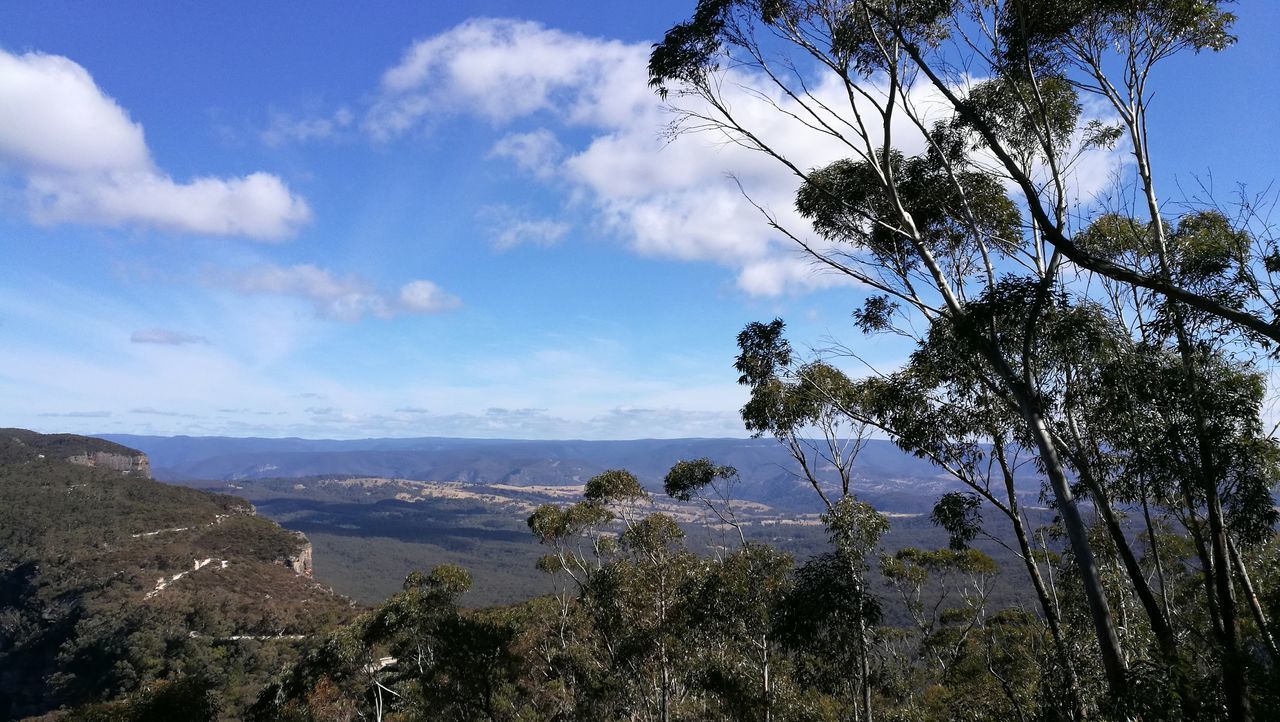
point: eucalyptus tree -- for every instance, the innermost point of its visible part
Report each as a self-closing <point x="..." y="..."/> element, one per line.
<point x="733" y="607"/>
<point x="400" y="658"/>
<point x="961" y="581"/>
<point x="977" y="235"/>
<point x="637" y="602"/>
<point x="934" y="408"/>
<point x="796" y="402"/>
<point x="709" y="483"/>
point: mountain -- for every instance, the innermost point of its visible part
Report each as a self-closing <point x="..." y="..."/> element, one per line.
<point x="112" y="583"/>
<point x="888" y="477"/>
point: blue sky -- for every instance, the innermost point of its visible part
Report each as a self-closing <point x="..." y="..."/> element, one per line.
<point x="337" y="219"/>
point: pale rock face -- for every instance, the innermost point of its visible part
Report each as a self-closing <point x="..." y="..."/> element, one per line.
<point x="130" y="464"/>
<point x="300" y="560"/>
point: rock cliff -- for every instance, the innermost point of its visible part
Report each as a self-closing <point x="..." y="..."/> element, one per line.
<point x="300" y="560"/>
<point x="131" y="464"/>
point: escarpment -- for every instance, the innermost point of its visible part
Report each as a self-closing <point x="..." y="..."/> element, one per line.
<point x="78" y="450"/>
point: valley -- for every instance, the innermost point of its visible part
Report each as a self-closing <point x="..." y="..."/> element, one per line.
<point x="377" y="509"/>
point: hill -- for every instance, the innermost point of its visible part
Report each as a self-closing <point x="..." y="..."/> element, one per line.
<point x="111" y="582"/>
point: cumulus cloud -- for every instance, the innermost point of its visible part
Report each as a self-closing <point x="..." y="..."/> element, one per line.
<point x="534" y="69"/>
<point x="666" y="197"/>
<point x="344" y="298"/>
<point x="166" y="337"/>
<point x="85" y="160"/>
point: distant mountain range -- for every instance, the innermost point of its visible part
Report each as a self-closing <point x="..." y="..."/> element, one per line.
<point x="887" y="476"/>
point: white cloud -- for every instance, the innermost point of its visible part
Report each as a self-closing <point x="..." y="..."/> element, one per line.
<point x="426" y="297"/>
<point x="86" y="161"/>
<point x="56" y="119"/>
<point x="166" y="337"/>
<point x="537" y="152"/>
<point x="509" y="228"/>
<point x="670" y="199"/>
<point x="149" y="411"/>
<point x="475" y="67"/>
<point x="665" y="197"/>
<point x="344" y="298"/>
<point x="77" y="414"/>
<point x="258" y="205"/>
<point x="284" y="128"/>
<point x="540" y="423"/>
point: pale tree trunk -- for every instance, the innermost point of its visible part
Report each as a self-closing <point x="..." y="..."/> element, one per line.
<point x="1042" y="593"/>
<point x="1255" y="606"/>
<point x="1234" y="679"/>
<point x="1077" y="532"/>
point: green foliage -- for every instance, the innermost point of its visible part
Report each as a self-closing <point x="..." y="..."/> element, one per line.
<point x="1036" y="31"/>
<point x="1037" y="120"/>
<point x="186" y="698"/>
<point x="847" y="202"/>
<point x="687" y="478"/>
<point x="855" y="528"/>
<point x="78" y="559"/>
<point x="615" y="485"/>
<point x="959" y="513"/>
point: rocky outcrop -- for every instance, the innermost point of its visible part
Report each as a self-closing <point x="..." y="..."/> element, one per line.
<point x="131" y="464"/>
<point x="300" y="560"/>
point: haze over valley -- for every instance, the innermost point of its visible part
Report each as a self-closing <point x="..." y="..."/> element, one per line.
<point x="376" y="509"/>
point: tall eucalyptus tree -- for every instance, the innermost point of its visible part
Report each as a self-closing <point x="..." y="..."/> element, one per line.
<point x="977" y="239"/>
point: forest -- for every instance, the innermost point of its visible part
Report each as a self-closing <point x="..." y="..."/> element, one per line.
<point x="1116" y="341"/>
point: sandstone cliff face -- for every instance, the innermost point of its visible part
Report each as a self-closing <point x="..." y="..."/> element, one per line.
<point x="131" y="464"/>
<point x="300" y="560"/>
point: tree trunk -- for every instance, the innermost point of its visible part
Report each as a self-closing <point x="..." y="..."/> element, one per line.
<point x="1255" y="606"/>
<point x="1077" y="533"/>
<point x="1042" y="593"/>
<point x="1234" y="668"/>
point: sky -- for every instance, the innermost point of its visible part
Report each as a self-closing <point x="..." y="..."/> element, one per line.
<point x="343" y="220"/>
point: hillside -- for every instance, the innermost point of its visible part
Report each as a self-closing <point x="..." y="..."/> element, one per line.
<point x="111" y="581"/>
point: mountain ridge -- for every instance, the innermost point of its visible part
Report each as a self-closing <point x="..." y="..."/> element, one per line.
<point x="768" y="473"/>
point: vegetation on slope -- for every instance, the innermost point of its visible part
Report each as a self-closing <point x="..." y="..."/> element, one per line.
<point x="89" y="606"/>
